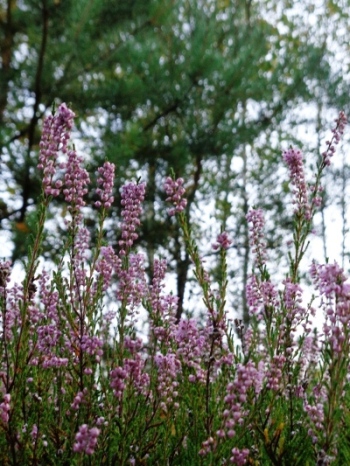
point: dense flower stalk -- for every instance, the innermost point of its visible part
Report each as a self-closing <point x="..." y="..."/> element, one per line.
<point x="76" y="180"/>
<point x="222" y="241"/>
<point x="105" y="182"/>
<point x="86" y="439"/>
<point x="175" y="191"/>
<point x="54" y="140"/>
<point x="132" y="198"/>
<point x="5" y="408"/>
<point x="5" y="275"/>
<point x="255" y="218"/>
<point x="132" y="373"/>
<point x="132" y="281"/>
<point x="169" y="370"/>
<point x="108" y="264"/>
<point x="338" y="131"/>
<point x="192" y="347"/>
<point x="294" y="160"/>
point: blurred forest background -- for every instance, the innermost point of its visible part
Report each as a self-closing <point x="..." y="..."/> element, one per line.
<point x="214" y="89"/>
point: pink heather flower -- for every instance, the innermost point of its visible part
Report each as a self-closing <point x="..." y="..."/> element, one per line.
<point x="194" y="345"/>
<point x="253" y="295"/>
<point x="92" y="345"/>
<point x="107" y="265"/>
<point x="159" y="269"/>
<point x="5" y="408"/>
<point x="175" y="191"/>
<point x="76" y="179"/>
<point x="86" y="439"/>
<point x="292" y="299"/>
<point x="5" y="272"/>
<point x="79" y="398"/>
<point x="81" y="251"/>
<point x="54" y="139"/>
<point x="118" y="381"/>
<point x="262" y="297"/>
<point x="338" y="131"/>
<point x="163" y="307"/>
<point x="223" y="241"/>
<point x="54" y="361"/>
<point x="316" y="192"/>
<point x="106" y="183"/>
<point x="162" y="317"/>
<point x="132" y="285"/>
<point x="247" y="377"/>
<point x="275" y="371"/>
<point x="12" y="318"/>
<point x="47" y="329"/>
<point x="132" y="198"/>
<point x="329" y="279"/>
<point x="269" y="294"/>
<point x="132" y="372"/>
<point x="207" y="446"/>
<point x="169" y="368"/>
<point x="255" y="218"/>
<point x="48" y="297"/>
<point x="316" y="414"/>
<point x="48" y="336"/>
<point x="239" y="457"/>
<point x="294" y="160"/>
<point x="34" y="432"/>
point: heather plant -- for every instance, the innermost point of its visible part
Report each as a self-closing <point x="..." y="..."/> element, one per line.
<point x="81" y="386"/>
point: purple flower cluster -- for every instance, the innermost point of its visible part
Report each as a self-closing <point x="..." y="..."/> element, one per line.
<point x="34" y="433"/>
<point x="132" y="286"/>
<point x="330" y="280"/>
<point x="338" y="131"/>
<point x="132" y="198"/>
<point x="80" y="398"/>
<point x="159" y="269"/>
<point x="48" y="336"/>
<point x="106" y="183"/>
<point x="76" y="179"/>
<point x="54" y="139"/>
<point x="161" y="307"/>
<point x="92" y="345"/>
<point x="222" y="241"/>
<point x="48" y="297"/>
<point x="11" y="319"/>
<point x="248" y="378"/>
<point x="256" y="235"/>
<point x="314" y="406"/>
<point x="175" y="191"/>
<point x="5" y="408"/>
<point x="47" y="333"/>
<point x="294" y="160"/>
<point x="108" y="264"/>
<point x="132" y="372"/>
<point x="5" y="272"/>
<point x="86" y="439"/>
<point x="293" y="299"/>
<point x="192" y="346"/>
<point x="274" y="379"/>
<point x="169" y="370"/>
<point x="239" y="457"/>
<point x="261" y="296"/>
<point x="80" y="253"/>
